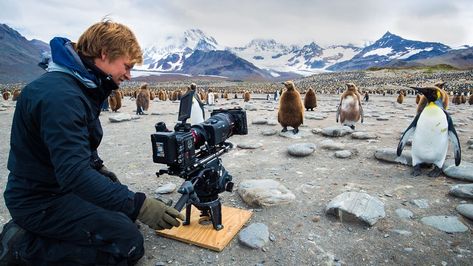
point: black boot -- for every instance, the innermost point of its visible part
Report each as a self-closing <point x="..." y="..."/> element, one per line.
<point x="9" y="238"/>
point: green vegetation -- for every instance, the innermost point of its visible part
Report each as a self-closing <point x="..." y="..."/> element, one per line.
<point x="427" y="69"/>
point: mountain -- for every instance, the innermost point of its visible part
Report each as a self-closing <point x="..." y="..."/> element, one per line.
<point x="171" y="54"/>
<point x="388" y="49"/>
<point x="308" y="59"/>
<point x="222" y="63"/>
<point x="19" y="57"/>
<point x="459" y="58"/>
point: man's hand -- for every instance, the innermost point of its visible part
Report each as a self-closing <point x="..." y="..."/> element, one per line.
<point x="111" y="175"/>
<point x="158" y="215"/>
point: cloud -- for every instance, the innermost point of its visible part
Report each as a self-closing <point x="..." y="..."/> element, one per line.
<point x="235" y="23"/>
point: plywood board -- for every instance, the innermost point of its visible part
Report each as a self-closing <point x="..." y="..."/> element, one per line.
<point x="206" y="236"/>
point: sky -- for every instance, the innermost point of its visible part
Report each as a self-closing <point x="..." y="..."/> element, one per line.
<point x="236" y="23"/>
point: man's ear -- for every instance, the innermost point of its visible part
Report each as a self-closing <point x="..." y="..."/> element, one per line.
<point x="103" y="55"/>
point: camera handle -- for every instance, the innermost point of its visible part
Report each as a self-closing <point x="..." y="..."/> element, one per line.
<point x="188" y="195"/>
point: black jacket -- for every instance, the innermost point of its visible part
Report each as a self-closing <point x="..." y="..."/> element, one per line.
<point x="55" y="133"/>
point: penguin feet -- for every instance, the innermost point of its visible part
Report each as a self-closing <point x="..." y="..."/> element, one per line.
<point x="352" y="127"/>
<point x="284" y="129"/>
<point x="295" y="130"/>
<point x="416" y="171"/>
<point x="435" y="172"/>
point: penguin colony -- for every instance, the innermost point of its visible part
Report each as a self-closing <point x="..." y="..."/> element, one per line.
<point x="142" y="100"/>
<point x="349" y="110"/>
<point x="430" y="130"/>
<point x="291" y="111"/>
<point x="310" y="100"/>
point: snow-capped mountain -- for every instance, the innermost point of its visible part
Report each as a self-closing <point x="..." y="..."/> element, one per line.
<point x="170" y="55"/>
<point x="391" y="49"/>
<point x="308" y="59"/>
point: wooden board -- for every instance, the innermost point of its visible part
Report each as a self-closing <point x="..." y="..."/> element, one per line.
<point x="206" y="236"/>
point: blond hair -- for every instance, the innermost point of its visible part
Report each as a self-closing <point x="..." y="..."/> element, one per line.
<point x="111" y="38"/>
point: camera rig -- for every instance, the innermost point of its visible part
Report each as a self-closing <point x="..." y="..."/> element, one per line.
<point x="193" y="152"/>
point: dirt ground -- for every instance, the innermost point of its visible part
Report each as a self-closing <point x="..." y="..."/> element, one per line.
<point x="301" y="233"/>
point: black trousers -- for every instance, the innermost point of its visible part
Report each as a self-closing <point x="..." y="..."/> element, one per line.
<point x="72" y="231"/>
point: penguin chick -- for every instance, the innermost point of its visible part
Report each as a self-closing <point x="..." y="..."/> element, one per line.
<point x="142" y="100"/>
<point x="310" y="100"/>
<point x="291" y="111"/>
<point x="349" y="109"/>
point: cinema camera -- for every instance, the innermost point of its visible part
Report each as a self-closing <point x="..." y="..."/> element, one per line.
<point x="192" y="153"/>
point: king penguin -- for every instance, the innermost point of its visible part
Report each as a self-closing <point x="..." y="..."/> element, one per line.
<point x="349" y="109"/>
<point x="197" y="109"/>
<point x="430" y="130"/>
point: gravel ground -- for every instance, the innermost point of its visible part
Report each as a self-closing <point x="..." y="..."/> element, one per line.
<point x="301" y="233"/>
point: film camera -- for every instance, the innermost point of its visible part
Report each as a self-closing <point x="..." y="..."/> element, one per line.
<point x="192" y="153"/>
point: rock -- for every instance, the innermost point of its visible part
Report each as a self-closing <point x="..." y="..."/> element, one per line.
<point x="462" y="191"/>
<point x="165" y="189"/>
<point x="316" y="130"/>
<point x="249" y="145"/>
<point x="462" y="172"/>
<point x="382" y="118"/>
<point x="269" y="132"/>
<point x="363" y="135"/>
<point x="254" y="236"/>
<point x="449" y="224"/>
<point x="260" y="121"/>
<point x="120" y="117"/>
<point x="329" y="144"/>
<point x="420" y="203"/>
<point x="389" y="155"/>
<point x="466" y="210"/>
<point x="343" y="154"/>
<point x="404" y="213"/>
<point x="469" y="142"/>
<point x="337" y="131"/>
<point x="2" y="109"/>
<point x="402" y="232"/>
<point x="301" y="149"/>
<point x="264" y="192"/>
<point x="361" y="206"/>
<point x="272" y="122"/>
<point x="250" y="107"/>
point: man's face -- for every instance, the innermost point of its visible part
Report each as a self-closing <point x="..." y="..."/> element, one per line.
<point x="119" y="68"/>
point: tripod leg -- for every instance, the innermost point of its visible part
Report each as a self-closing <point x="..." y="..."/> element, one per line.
<point x="216" y="215"/>
<point x="188" y="214"/>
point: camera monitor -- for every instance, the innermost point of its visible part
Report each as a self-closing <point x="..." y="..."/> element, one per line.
<point x="185" y="106"/>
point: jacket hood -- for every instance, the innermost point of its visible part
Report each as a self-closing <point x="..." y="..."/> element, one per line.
<point x="63" y="54"/>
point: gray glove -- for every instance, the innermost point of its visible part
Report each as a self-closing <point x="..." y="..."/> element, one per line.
<point x="111" y="175"/>
<point x="158" y="215"/>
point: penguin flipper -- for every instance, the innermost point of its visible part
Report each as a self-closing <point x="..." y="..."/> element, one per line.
<point x="453" y="137"/>
<point x="407" y="134"/>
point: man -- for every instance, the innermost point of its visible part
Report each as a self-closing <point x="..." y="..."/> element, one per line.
<point x="66" y="207"/>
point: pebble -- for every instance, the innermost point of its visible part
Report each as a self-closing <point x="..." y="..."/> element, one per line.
<point x="462" y="191"/>
<point x="255" y="236"/>
<point x="269" y="132"/>
<point x="249" y="145"/>
<point x="362" y="206"/>
<point x="343" y="154"/>
<point x="166" y="188"/>
<point x="301" y="149"/>
<point x="466" y="210"/>
<point x="448" y="224"/>
<point x="462" y="172"/>
<point x="336" y="131"/>
<point x="389" y="155"/>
